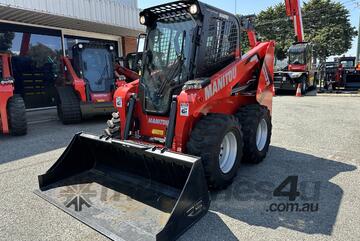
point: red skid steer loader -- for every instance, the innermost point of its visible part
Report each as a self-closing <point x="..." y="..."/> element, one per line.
<point x="199" y="109"/>
<point x="12" y="107"/>
<point x="90" y="82"/>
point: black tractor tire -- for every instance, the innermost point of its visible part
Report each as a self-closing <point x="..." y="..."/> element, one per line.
<point x="113" y="127"/>
<point x="303" y="85"/>
<point x="68" y="106"/>
<point x="206" y="141"/>
<point x="17" y="116"/>
<point x="250" y="117"/>
<point x="316" y="81"/>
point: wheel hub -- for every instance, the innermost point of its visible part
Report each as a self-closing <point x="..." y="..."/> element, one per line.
<point x="261" y="135"/>
<point x="228" y="151"/>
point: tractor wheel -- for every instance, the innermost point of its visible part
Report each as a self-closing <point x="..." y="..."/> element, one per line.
<point x="303" y="85"/>
<point x="17" y="116"/>
<point x="68" y="106"/>
<point x="113" y="126"/>
<point x="218" y="140"/>
<point x="256" y="125"/>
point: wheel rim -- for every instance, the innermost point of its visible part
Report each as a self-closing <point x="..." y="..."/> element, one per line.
<point x="228" y="152"/>
<point x="261" y="135"/>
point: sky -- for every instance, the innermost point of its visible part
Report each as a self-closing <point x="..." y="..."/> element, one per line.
<point x="246" y="7"/>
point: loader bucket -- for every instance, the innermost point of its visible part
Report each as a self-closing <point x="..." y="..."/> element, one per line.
<point x="126" y="190"/>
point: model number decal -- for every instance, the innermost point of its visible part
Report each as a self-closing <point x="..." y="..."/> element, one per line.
<point x="220" y="83"/>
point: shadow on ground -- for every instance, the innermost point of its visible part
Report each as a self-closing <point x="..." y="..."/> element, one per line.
<point x="44" y="137"/>
<point x="248" y="199"/>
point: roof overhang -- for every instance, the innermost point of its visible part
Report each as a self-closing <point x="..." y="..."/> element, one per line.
<point x="25" y="16"/>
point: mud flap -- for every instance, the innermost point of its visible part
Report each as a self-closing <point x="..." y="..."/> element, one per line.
<point x="126" y="190"/>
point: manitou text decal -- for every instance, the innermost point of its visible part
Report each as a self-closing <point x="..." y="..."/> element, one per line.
<point x="158" y="121"/>
<point x="220" y="83"/>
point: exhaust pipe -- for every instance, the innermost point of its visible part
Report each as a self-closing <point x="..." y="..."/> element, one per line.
<point x="126" y="190"/>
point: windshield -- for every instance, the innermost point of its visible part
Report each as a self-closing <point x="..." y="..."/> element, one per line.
<point x="167" y="61"/>
<point x="347" y="63"/>
<point x="98" y="69"/>
<point x="297" y="58"/>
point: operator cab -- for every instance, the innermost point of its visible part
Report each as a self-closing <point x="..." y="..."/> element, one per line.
<point x="299" y="56"/>
<point x="347" y="62"/>
<point x="95" y="64"/>
<point x="185" y="40"/>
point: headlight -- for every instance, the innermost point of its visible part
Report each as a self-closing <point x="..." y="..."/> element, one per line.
<point x="142" y="20"/>
<point x="80" y="46"/>
<point x="295" y="75"/>
<point x="193" y="9"/>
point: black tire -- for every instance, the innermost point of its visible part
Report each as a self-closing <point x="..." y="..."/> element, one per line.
<point x="303" y="85"/>
<point x="113" y="127"/>
<point x="68" y="106"/>
<point x="249" y="118"/>
<point x="316" y="81"/>
<point x="206" y="140"/>
<point x="17" y="116"/>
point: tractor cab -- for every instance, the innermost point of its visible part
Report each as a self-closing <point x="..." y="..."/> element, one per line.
<point x="171" y="58"/>
<point x="299" y="57"/>
<point x="94" y="63"/>
<point x="347" y="63"/>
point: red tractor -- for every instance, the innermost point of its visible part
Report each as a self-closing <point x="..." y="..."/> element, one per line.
<point x="91" y="79"/>
<point x="12" y="107"/>
<point x="200" y="108"/>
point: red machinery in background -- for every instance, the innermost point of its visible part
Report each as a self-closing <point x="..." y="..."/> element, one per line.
<point x="300" y="69"/>
<point x="91" y="77"/>
<point x="12" y="107"/>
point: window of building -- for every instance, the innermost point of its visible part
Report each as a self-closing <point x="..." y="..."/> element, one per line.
<point x="35" y="62"/>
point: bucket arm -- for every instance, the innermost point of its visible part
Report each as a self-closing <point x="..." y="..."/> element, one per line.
<point x="248" y="26"/>
<point x="293" y="10"/>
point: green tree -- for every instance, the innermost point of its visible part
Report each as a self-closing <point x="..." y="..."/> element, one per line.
<point x="326" y="26"/>
<point x="273" y="24"/>
<point x="6" y="39"/>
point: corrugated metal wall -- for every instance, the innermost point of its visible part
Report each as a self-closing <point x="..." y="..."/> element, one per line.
<point x="122" y="13"/>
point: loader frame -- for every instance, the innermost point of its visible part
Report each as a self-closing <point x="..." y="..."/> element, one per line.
<point x="223" y="92"/>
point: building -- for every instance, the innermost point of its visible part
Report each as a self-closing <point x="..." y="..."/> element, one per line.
<point x="38" y="32"/>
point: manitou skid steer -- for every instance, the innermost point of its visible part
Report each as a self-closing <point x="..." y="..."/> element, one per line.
<point x="198" y="110"/>
<point x="12" y="107"/>
<point x="90" y="82"/>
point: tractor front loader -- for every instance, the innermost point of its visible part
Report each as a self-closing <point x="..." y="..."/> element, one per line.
<point x="12" y="107"/>
<point x="200" y="108"/>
